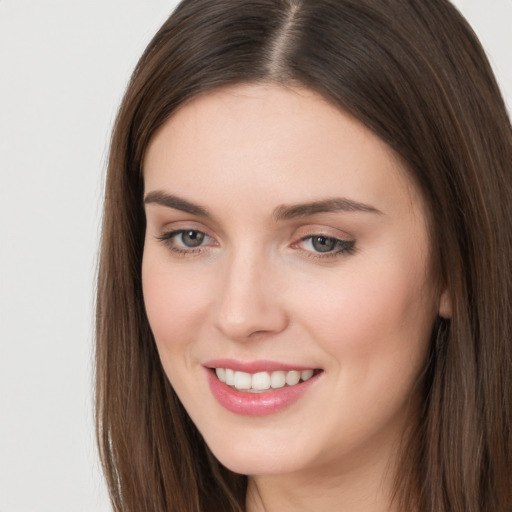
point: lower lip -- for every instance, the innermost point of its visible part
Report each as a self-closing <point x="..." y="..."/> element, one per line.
<point x="257" y="404"/>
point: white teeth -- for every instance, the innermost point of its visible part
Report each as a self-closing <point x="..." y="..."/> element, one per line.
<point x="306" y="375"/>
<point x="292" y="378"/>
<point x="230" y="377"/>
<point x="262" y="381"/>
<point x="243" y="380"/>
<point x="277" y="379"/>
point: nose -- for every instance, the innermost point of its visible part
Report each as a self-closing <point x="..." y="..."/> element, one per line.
<point x="250" y="302"/>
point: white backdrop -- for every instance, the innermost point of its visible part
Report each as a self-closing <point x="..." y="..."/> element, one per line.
<point x="63" y="69"/>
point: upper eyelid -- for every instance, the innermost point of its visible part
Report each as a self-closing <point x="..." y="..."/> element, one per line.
<point x="218" y="232"/>
<point x="322" y="230"/>
<point x="176" y="226"/>
<point x="343" y="245"/>
<point x="327" y="233"/>
<point x="299" y="234"/>
<point x="167" y="235"/>
<point x="167" y="239"/>
<point x="348" y="241"/>
<point x="342" y="248"/>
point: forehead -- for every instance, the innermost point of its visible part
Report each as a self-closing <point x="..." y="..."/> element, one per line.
<point x="272" y="142"/>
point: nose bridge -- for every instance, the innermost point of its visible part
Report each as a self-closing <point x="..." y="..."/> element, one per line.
<point x="248" y="302"/>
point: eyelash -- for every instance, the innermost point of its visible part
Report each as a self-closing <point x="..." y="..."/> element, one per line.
<point x="343" y="247"/>
<point x="167" y="239"/>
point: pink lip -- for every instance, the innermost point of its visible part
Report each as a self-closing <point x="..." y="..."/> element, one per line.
<point x="257" y="404"/>
<point x="253" y="366"/>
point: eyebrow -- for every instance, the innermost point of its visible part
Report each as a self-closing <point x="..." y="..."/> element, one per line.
<point x="177" y="203"/>
<point x="285" y="212"/>
<point x="326" y="206"/>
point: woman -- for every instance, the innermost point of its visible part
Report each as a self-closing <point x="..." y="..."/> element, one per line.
<point x="304" y="297"/>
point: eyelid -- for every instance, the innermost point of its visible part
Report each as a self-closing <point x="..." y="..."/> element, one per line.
<point x="167" y="236"/>
<point x="322" y="230"/>
<point x="182" y="224"/>
<point x="306" y="232"/>
<point x="340" y="246"/>
<point x="345" y="243"/>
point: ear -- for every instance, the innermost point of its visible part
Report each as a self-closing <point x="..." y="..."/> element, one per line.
<point x="445" y="305"/>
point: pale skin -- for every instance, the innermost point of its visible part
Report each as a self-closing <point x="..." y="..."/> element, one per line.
<point x="345" y="287"/>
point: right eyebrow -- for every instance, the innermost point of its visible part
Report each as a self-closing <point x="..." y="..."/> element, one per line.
<point x="175" y="202"/>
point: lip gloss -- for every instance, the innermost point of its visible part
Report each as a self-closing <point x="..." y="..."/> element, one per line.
<point x="257" y="404"/>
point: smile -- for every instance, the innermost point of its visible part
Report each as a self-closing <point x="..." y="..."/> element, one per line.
<point x="262" y="381"/>
<point x="259" y="388"/>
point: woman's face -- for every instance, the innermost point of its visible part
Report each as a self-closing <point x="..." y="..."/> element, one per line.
<point x="286" y="243"/>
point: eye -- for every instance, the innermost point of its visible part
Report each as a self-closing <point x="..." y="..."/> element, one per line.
<point x="323" y="243"/>
<point x="185" y="240"/>
<point x="191" y="238"/>
<point x="326" y="245"/>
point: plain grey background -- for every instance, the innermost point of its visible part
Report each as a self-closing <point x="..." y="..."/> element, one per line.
<point x="63" y="68"/>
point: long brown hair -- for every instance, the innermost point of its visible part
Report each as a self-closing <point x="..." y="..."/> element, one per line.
<point x="413" y="72"/>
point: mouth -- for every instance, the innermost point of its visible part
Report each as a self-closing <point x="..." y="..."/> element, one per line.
<point x="259" y="388"/>
<point x="264" y="381"/>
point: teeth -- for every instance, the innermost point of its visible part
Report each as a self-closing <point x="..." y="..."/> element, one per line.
<point x="243" y="380"/>
<point x="261" y="381"/>
<point x="230" y="377"/>
<point x="277" y="380"/>
<point x="306" y="375"/>
<point x="292" y="378"/>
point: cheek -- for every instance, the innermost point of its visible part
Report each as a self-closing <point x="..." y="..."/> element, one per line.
<point x="174" y="301"/>
<point x="375" y="326"/>
<point x="373" y="314"/>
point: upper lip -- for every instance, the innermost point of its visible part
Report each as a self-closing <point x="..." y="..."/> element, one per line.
<point x="254" y="366"/>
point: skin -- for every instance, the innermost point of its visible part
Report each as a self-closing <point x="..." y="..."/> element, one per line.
<point x="258" y="289"/>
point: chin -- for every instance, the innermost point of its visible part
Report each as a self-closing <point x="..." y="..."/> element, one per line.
<point x="251" y="455"/>
<point x="254" y="464"/>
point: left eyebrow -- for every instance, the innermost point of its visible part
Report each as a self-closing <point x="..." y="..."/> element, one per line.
<point x="325" y="206"/>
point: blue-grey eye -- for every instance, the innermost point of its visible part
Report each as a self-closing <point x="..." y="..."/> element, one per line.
<point x="324" y="243"/>
<point x="192" y="238"/>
